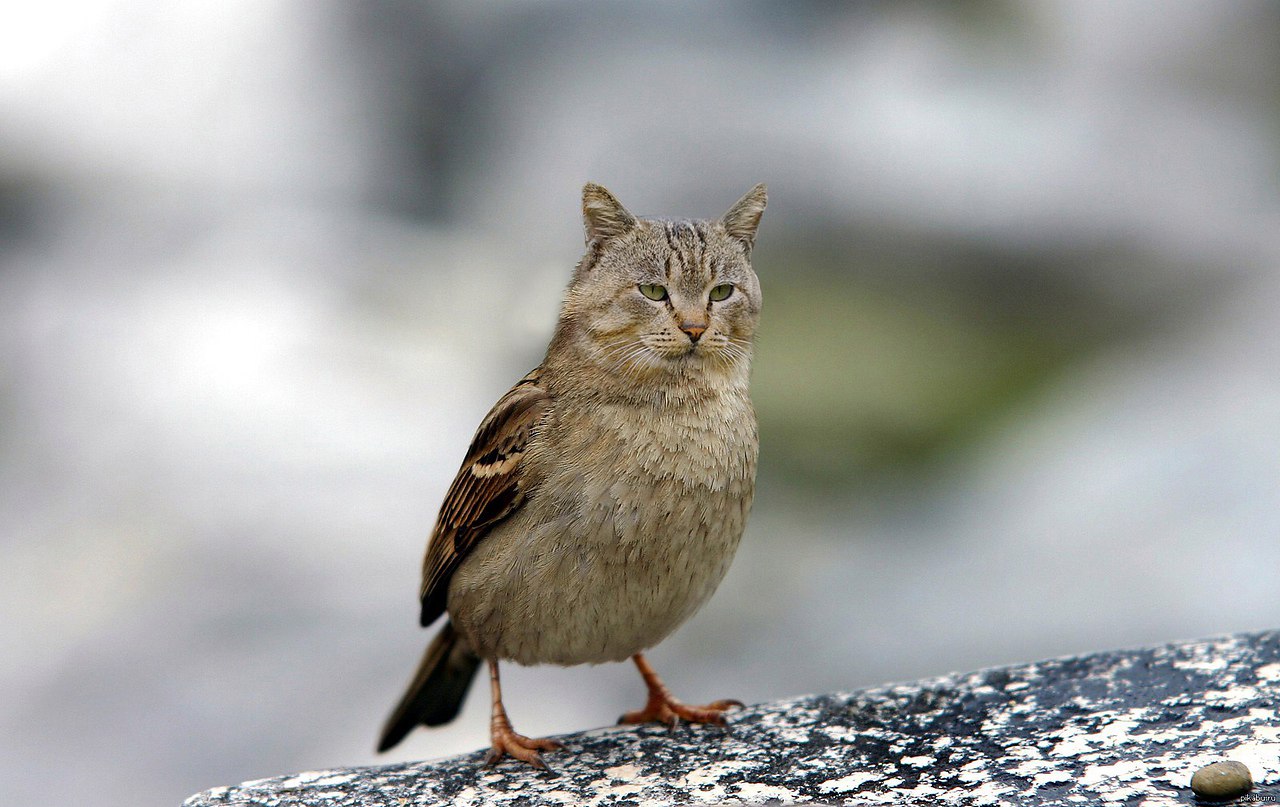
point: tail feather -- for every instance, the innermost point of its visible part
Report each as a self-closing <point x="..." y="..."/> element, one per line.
<point x="438" y="688"/>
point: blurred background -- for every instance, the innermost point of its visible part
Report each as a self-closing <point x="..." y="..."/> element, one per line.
<point x="265" y="265"/>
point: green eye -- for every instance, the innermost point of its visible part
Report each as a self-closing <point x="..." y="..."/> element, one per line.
<point x="721" y="292"/>
<point x="653" y="291"/>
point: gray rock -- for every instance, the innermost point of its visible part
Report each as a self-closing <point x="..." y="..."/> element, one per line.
<point x="1127" y="727"/>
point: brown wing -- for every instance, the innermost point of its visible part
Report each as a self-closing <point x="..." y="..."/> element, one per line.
<point x="489" y="487"/>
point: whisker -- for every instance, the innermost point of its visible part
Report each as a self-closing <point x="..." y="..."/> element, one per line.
<point x="627" y="357"/>
<point x="617" y="352"/>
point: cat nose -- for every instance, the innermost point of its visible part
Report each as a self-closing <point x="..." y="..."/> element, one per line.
<point x="693" y="330"/>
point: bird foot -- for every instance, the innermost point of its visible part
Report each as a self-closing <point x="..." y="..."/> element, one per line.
<point x="662" y="708"/>
<point x="506" y="742"/>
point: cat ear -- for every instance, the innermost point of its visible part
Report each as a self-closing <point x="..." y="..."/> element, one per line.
<point x="744" y="217"/>
<point x="603" y="215"/>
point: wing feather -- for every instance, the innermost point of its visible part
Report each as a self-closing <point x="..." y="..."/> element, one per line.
<point x="489" y="487"/>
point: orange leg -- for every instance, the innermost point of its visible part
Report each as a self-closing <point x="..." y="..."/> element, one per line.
<point x="662" y="706"/>
<point x="504" y="740"/>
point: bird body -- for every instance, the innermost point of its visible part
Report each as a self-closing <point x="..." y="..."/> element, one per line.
<point x="610" y="554"/>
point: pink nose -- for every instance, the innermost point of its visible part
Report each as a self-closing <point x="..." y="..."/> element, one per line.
<point x="693" y="331"/>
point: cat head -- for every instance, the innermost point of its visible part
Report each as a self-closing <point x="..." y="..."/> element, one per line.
<point x="652" y="297"/>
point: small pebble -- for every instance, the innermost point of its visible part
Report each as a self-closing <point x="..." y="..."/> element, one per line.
<point x="1221" y="781"/>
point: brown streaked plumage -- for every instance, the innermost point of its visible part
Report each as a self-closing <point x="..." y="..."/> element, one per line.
<point x="604" y="495"/>
<point x="485" y="491"/>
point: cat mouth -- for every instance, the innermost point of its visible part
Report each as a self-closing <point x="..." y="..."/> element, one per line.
<point x="679" y="355"/>
<point x="691" y="353"/>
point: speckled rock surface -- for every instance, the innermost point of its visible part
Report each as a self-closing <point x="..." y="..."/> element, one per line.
<point x="1121" y="728"/>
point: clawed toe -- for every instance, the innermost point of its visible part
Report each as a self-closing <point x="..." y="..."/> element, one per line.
<point x="711" y="713"/>
<point x="726" y="704"/>
<point x="671" y="712"/>
<point x="508" y="743"/>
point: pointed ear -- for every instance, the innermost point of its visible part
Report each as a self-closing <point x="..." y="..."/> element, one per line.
<point x="744" y="217"/>
<point x="603" y="216"/>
